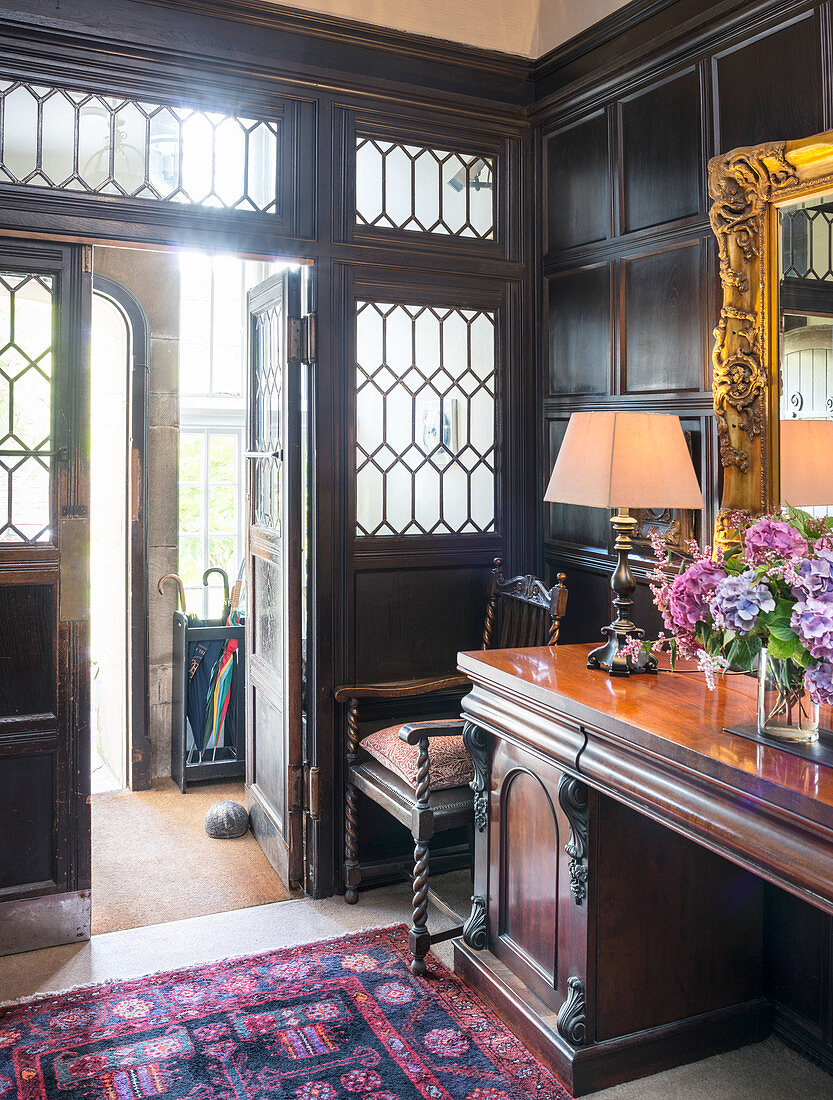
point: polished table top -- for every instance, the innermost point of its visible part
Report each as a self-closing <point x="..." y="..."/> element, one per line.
<point x="659" y="743"/>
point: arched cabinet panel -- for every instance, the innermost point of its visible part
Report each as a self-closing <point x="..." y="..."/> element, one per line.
<point x="529" y="845"/>
<point x="537" y="928"/>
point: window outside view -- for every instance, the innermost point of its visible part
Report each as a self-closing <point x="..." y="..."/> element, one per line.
<point x="212" y="421"/>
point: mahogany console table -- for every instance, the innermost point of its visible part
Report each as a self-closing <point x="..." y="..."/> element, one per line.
<point x="622" y="842"/>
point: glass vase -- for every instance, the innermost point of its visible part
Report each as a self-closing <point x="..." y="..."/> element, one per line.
<point x="785" y="710"/>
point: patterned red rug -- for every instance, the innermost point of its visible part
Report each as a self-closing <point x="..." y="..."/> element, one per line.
<point x="338" y="1020"/>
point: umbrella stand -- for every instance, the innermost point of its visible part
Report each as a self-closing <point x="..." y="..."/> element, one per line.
<point x="197" y="645"/>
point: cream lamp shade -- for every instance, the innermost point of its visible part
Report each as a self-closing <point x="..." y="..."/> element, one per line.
<point x="807" y="462"/>
<point x="624" y="460"/>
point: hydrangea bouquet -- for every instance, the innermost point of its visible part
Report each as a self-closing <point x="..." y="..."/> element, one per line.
<point x="768" y="599"/>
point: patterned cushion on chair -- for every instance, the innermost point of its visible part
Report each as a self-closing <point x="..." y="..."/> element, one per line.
<point x="451" y="765"/>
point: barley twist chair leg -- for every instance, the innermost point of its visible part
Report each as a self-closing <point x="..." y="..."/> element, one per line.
<point x="352" y="870"/>
<point x="419" y="938"/>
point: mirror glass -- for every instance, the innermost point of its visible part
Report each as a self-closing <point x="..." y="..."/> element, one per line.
<point x="806" y="354"/>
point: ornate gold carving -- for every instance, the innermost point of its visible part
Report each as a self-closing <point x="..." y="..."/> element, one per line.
<point x="744" y="185"/>
<point x="741" y="185"/>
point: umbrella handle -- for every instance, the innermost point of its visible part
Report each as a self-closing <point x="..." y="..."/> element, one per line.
<point x="224" y="575"/>
<point x="179" y="586"/>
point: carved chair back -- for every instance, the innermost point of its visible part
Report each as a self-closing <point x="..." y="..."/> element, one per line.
<point x="522" y="612"/>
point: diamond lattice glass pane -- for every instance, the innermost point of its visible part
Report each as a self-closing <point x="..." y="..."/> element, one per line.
<point x="369" y="412"/>
<point x="131" y="148"/>
<point x="231" y="162"/>
<point x="481" y="201"/>
<point x="369" y="489"/>
<point x="483" y="498"/>
<point x="165" y="153"/>
<point x="32" y="409"/>
<point x="414" y="454"/>
<point x="369" y="203"/>
<point x="94" y="143"/>
<point x="58" y="153"/>
<point x="20" y="133"/>
<point x="129" y="154"/>
<point x="29" y="505"/>
<point x="398" y="187"/>
<point x="424" y="190"/>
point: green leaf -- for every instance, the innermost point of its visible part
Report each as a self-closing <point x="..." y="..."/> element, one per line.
<point x="781" y="649"/>
<point x="798" y="518"/>
<point x="781" y="629"/>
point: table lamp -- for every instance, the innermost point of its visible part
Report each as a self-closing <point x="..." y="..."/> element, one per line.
<point x="806" y="471"/>
<point x="623" y="460"/>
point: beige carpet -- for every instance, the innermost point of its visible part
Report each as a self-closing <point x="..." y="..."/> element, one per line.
<point x="152" y="861"/>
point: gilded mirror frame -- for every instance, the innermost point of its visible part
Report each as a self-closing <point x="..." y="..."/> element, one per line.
<point x="748" y="186"/>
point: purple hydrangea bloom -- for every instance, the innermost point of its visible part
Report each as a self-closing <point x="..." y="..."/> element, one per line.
<point x="738" y="602"/>
<point x="773" y="538"/>
<point x="819" y="682"/>
<point x="815" y="576"/>
<point x="812" y="620"/>
<point x="691" y="593"/>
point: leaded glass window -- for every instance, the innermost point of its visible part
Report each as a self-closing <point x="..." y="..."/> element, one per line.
<point x="111" y="145"/>
<point x="425" y="420"/>
<point x="26" y="334"/>
<point x="424" y="190"/>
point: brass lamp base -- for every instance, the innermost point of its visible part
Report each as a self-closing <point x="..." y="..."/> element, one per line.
<point x="610" y="655"/>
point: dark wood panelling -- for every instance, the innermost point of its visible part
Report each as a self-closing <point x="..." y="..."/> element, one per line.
<point x="771" y="88"/>
<point x="413" y="622"/>
<point x="589" y="606"/>
<point x="579" y="330"/>
<point x="661" y="324"/>
<point x="685" y="79"/>
<point x="797" y="975"/>
<point x="27" y="674"/>
<point x="725" y="953"/>
<point x="662" y="126"/>
<point x="578" y="184"/>
<point x="26" y="826"/>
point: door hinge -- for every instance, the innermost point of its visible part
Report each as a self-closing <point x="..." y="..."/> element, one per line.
<point x="309" y="338"/>
<point x="303" y="790"/>
<point x="294" y="334"/>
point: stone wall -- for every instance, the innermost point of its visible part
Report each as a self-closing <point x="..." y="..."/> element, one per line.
<point x="153" y="278"/>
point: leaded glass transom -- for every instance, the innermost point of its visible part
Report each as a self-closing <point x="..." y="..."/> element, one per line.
<point x="425" y="420"/>
<point x="26" y="310"/>
<point x="111" y="145"/>
<point x="424" y="190"/>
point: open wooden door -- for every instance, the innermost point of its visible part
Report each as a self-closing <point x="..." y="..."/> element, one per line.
<point x="274" y="672"/>
<point x="45" y="302"/>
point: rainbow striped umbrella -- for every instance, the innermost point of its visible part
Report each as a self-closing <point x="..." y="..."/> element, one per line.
<point x="219" y="690"/>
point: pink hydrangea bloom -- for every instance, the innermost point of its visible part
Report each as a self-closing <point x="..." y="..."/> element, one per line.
<point x="691" y="593"/>
<point x="773" y="538"/>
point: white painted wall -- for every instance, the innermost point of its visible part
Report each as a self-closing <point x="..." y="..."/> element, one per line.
<point x="529" y="28"/>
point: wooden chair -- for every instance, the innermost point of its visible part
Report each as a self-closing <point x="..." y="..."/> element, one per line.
<point x="520" y="612"/>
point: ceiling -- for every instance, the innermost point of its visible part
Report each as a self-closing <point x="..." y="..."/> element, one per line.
<point x="529" y="28"/>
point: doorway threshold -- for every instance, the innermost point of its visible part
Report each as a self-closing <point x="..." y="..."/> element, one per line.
<point x="134" y="952"/>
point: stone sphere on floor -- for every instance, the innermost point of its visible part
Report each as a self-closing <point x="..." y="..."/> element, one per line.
<point x="226" y="820"/>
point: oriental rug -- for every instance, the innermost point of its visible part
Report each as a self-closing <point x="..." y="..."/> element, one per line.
<point x="338" y="1020"/>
